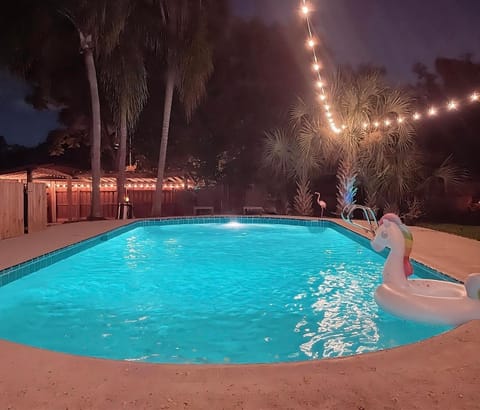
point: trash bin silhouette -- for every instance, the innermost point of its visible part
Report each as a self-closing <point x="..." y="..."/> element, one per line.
<point x="124" y="210"/>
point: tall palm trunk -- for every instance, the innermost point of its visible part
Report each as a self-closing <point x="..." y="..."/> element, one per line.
<point x="122" y="155"/>
<point x="96" y="211"/>
<point x="167" y="109"/>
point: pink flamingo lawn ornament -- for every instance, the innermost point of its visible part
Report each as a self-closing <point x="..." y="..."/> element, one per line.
<point x="322" y="204"/>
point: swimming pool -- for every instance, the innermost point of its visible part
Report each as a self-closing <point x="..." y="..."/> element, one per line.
<point x="208" y="290"/>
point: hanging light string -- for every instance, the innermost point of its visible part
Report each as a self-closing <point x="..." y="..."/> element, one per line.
<point x="432" y="112"/>
<point x="316" y="67"/>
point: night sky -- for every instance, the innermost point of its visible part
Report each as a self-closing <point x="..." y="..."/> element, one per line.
<point x="390" y="33"/>
<point x="20" y="123"/>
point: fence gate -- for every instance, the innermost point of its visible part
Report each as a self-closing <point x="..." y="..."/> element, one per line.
<point x="37" y="207"/>
<point x="11" y="209"/>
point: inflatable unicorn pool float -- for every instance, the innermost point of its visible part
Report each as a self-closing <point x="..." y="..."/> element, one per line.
<point x="423" y="300"/>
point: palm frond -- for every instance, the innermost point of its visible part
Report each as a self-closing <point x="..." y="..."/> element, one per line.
<point x="303" y="200"/>
<point x="102" y="20"/>
<point x="123" y="76"/>
<point x="452" y="176"/>
<point x="277" y="152"/>
<point x="196" y="68"/>
<point x="298" y="112"/>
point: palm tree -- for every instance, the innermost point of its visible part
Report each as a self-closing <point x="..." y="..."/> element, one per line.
<point x="188" y="60"/>
<point x="124" y="78"/>
<point x="382" y="159"/>
<point x="99" y="24"/>
<point x="298" y="152"/>
<point x="382" y="154"/>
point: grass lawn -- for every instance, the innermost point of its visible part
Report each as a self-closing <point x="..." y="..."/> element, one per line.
<point x="468" y="231"/>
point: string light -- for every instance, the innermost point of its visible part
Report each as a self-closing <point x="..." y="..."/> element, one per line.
<point x="305" y="10"/>
<point x="452" y="105"/>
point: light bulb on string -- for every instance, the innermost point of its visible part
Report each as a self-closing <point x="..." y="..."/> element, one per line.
<point x="452" y="105"/>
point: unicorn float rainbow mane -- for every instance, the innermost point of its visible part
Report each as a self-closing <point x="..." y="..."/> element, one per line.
<point x="408" y="238"/>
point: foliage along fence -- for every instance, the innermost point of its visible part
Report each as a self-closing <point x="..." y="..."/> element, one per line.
<point x="11" y="209"/>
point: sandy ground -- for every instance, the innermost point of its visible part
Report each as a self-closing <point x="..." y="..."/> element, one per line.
<point x="442" y="372"/>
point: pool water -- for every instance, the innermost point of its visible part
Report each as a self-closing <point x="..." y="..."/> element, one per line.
<point x="209" y="293"/>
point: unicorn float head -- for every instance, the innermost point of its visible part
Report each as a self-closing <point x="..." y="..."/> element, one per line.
<point x="392" y="233"/>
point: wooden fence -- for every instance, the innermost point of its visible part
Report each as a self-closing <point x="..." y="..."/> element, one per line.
<point x="37" y="207"/>
<point x="60" y="209"/>
<point x="11" y="209"/>
<point x="14" y="209"/>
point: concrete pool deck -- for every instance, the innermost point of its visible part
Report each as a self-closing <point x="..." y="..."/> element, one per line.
<point x="442" y="372"/>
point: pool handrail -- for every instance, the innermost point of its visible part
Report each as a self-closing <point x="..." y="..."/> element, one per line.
<point x="368" y="214"/>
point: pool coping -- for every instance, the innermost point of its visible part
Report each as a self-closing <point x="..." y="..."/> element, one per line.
<point x="441" y="372"/>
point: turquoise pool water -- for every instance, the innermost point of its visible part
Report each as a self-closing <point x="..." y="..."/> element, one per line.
<point x="209" y="293"/>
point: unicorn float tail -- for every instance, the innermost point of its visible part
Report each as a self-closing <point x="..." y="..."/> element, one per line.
<point x="472" y="285"/>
